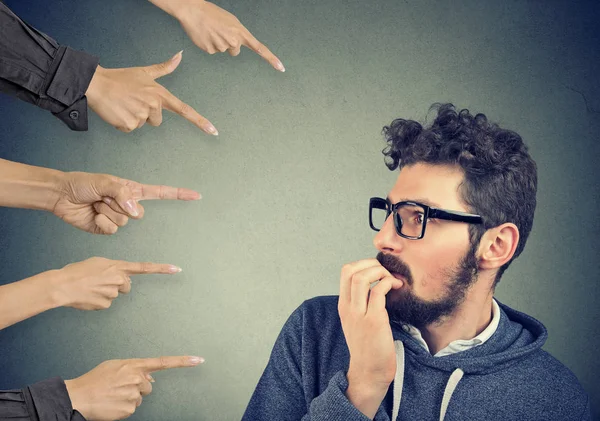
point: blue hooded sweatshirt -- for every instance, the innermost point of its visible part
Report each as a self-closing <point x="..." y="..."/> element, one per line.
<point x="509" y="377"/>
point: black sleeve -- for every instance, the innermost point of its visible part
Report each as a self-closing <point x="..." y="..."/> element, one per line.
<point x="47" y="400"/>
<point x="34" y="68"/>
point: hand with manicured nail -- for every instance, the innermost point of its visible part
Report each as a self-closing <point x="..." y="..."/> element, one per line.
<point x="96" y="203"/>
<point x="128" y="98"/>
<point x="94" y="283"/>
<point x="89" y="285"/>
<point x="214" y="29"/>
<point x="115" y="388"/>
<point x="101" y="203"/>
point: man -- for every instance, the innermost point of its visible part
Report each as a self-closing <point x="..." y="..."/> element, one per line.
<point x="416" y="333"/>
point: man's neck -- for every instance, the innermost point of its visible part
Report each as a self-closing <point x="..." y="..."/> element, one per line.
<point x="469" y="320"/>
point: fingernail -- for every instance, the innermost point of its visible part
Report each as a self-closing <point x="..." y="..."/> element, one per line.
<point x="213" y="130"/>
<point x="150" y="378"/>
<point x="131" y="207"/>
<point x="196" y="360"/>
<point x="177" y="56"/>
<point x="107" y="200"/>
<point x="174" y="269"/>
<point x="280" y="67"/>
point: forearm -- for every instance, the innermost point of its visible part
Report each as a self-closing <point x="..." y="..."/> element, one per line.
<point x="27" y="298"/>
<point x="28" y="187"/>
<point x="36" y="69"/>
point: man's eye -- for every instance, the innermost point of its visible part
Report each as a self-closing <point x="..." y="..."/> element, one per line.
<point x="419" y="218"/>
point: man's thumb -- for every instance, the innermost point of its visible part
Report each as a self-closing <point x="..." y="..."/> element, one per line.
<point x="164" y="68"/>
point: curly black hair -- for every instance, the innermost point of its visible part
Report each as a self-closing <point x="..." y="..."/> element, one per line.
<point x="500" y="176"/>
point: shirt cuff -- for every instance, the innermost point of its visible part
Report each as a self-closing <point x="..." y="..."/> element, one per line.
<point x="75" y="116"/>
<point x="51" y="400"/>
<point x="69" y="77"/>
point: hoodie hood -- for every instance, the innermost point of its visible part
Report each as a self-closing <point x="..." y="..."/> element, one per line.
<point x="517" y="336"/>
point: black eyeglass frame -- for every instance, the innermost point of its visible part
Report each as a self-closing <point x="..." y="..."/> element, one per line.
<point x="428" y="212"/>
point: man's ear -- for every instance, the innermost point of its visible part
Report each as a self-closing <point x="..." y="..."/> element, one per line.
<point x="498" y="245"/>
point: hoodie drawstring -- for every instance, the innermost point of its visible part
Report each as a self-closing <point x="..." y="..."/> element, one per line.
<point x="455" y="377"/>
<point x="398" y="378"/>
<point x="450" y="387"/>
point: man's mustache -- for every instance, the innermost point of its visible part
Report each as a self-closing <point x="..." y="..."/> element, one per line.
<point x="394" y="265"/>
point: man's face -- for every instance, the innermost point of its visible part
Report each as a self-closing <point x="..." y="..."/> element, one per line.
<point x="438" y="269"/>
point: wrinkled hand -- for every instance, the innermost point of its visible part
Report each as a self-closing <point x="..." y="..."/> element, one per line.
<point x="115" y="388"/>
<point x="101" y="203"/>
<point x="367" y="330"/>
<point x="94" y="283"/>
<point x="214" y="29"/>
<point x="128" y="98"/>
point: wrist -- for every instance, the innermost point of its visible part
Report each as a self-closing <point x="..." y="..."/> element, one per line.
<point x="54" y="288"/>
<point x="94" y="89"/>
<point x="366" y="395"/>
<point x="74" y="396"/>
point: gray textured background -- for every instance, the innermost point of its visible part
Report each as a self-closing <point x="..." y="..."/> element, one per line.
<point x="286" y="183"/>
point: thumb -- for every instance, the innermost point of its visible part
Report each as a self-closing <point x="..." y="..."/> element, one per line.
<point x="164" y="68"/>
<point x="120" y="193"/>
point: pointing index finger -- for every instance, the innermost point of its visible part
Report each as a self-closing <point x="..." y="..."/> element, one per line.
<point x="150" y="365"/>
<point x="140" y="268"/>
<point x="174" y="104"/>
<point x="260" y="49"/>
<point x="154" y="192"/>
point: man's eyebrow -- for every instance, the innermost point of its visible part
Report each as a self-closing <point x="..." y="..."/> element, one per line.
<point x="418" y="199"/>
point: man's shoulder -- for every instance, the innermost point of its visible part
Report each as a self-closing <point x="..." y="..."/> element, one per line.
<point x="322" y="304"/>
<point x="549" y="368"/>
<point x="321" y="309"/>
<point x="316" y="316"/>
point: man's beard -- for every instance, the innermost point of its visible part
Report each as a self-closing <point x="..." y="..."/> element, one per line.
<point x="407" y="308"/>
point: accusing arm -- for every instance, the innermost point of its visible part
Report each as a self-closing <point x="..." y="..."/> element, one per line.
<point x="47" y="400"/>
<point x="36" y="69"/>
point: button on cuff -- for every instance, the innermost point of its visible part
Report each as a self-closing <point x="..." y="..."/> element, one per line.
<point x="75" y="116"/>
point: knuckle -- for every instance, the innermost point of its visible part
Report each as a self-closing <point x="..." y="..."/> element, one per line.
<point x="154" y="104"/>
<point x="162" y="67"/>
<point x="124" y="280"/>
<point x="123" y="191"/>
<point x="131" y="125"/>
<point x="163" y="362"/>
<point x="356" y="280"/>
<point x="184" y="109"/>
<point x="145" y="267"/>
<point x="346" y="269"/>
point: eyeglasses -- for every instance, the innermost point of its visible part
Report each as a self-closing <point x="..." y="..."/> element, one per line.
<point x="410" y="218"/>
